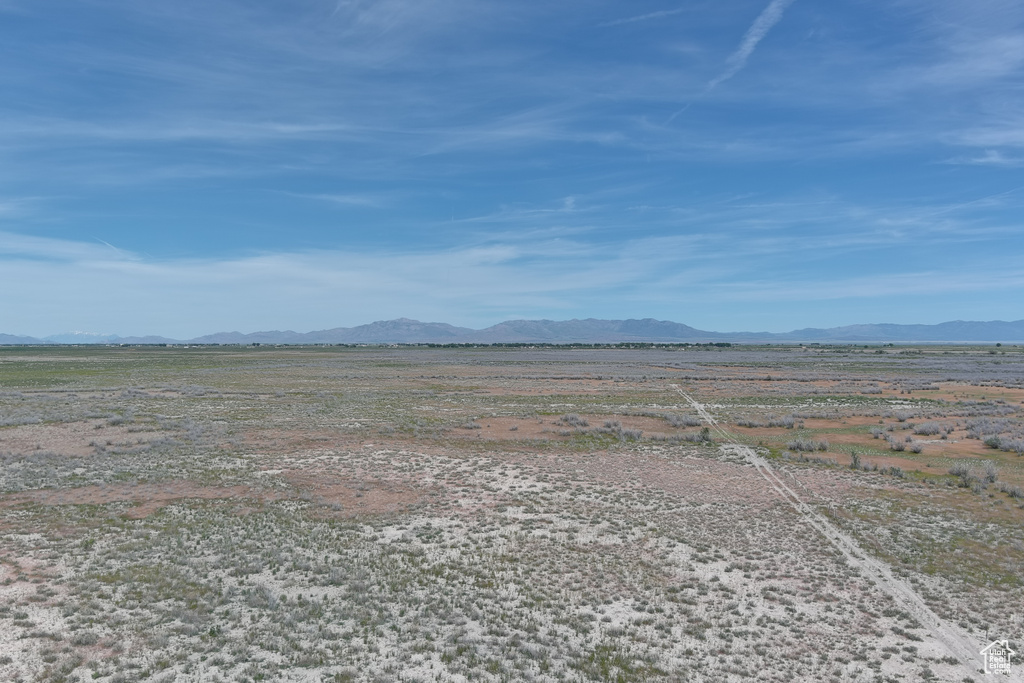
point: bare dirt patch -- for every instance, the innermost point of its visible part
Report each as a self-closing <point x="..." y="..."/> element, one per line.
<point x="357" y="497"/>
<point x="147" y="498"/>
<point x="72" y="438"/>
<point x="556" y="428"/>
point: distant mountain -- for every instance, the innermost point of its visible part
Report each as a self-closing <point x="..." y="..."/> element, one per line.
<point x="82" y="338"/>
<point x="597" y="331"/>
<point x="955" y="331"/>
<point x="272" y="337"/>
<point x="590" y="330"/>
<point x="149" y="339"/>
<point x="400" y="331"/>
<point x="16" y="339"/>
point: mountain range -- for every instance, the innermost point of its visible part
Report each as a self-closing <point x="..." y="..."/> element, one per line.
<point x="590" y="330"/>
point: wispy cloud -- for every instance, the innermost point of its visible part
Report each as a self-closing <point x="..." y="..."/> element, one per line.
<point x="11" y="207"/>
<point x="994" y="129"/>
<point x="754" y="35"/>
<point x="990" y="157"/>
<point x="976" y="60"/>
<point x="17" y="246"/>
<point x="643" y="17"/>
<point x="519" y="158"/>
<point x="920" y="282"/>
<point x="715" y="255"/>
<point x="343" y="199"/>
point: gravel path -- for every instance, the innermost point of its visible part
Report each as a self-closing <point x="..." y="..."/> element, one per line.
<point x="959" y="644"/>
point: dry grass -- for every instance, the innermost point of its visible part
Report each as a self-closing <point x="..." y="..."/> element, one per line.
<point x="431" y="514"/>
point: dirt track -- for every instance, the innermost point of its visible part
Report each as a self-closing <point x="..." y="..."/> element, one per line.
<point x="959" y="644"/>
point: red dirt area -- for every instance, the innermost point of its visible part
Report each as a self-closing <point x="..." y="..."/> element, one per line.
<point x="347" y="497"/>
<point x="355" y="497"/>
<point x="70" y="438"/>
<point x="545" y="388"/>
<point x="852" y="420"/>
<point x="955" y="391"/>
<point x="148" y="498"/>
<point x="287" y="441"/>
<point x="886" y="461"/>
<point x="954" y="447"/>
<point x="551" y="428"/>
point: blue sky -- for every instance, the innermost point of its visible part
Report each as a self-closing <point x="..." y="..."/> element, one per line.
<point x="185" y="167"/>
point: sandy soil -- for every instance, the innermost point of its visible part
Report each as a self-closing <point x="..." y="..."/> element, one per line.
<point x="72" y="438"/>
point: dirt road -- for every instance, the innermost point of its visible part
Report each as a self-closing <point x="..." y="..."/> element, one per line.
<point x="959" y="644"/>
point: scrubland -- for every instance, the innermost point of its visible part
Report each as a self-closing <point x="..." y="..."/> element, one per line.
<point x="489" y="514"/>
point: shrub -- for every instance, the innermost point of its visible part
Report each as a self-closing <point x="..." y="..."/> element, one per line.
<point x="960" y="469"/>
<point x="615" y="428"/>
<point x="573" y="420"/>
<point x="86" y="638"/>
<point x="991" y="472"/>
<point x="807" y="445"/>
<point x="972" y="478"/>
<point x="789" y="422"/>
<point x="928" y="429"/>
<point x="1012" y="445"/>
<point x="1011" y="491"/>
<point x="703" y="436"/>
<point x="800" y="457"/>
<point x="683" y="420"/>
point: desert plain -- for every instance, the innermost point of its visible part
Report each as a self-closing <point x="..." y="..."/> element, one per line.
<point x="631" y="513"/>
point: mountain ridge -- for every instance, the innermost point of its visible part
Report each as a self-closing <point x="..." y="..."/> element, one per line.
<point x="587" y="330"/>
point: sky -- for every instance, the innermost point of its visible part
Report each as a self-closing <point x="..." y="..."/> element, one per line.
<point x="181" y="168"/>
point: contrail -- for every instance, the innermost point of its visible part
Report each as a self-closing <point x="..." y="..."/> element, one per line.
<point x="116" y="250"/>
<point x="757" y="31"/>
<point x="643" y="17"/>
<point x="738" y="59"/>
